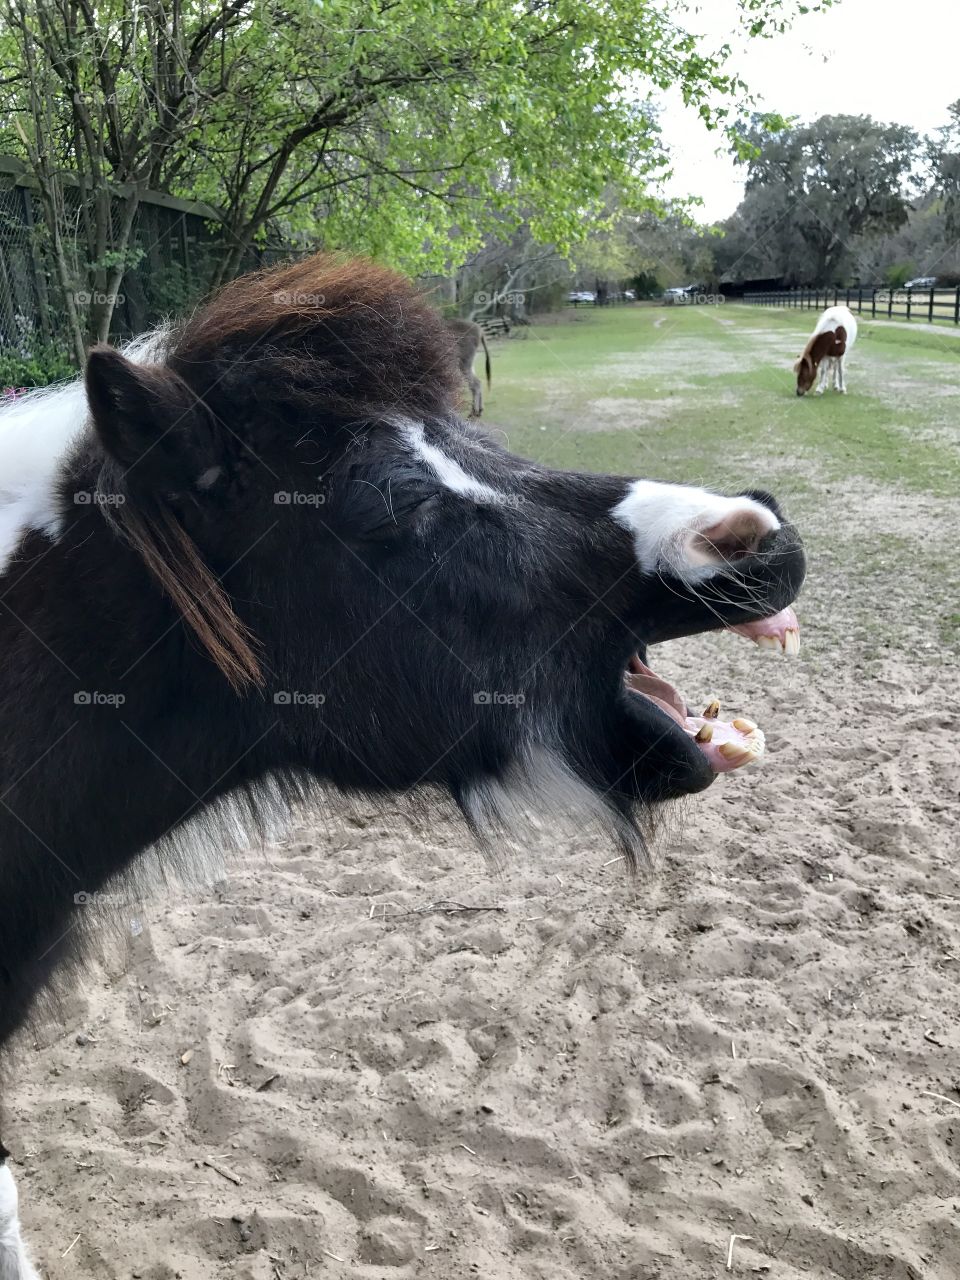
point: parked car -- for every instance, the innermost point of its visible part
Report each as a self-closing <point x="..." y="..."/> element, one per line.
<point x="921" y="282"/>
<point x="683" y="293"/>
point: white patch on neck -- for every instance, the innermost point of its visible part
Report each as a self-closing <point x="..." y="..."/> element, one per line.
<point x="450" y="474"/>
<point x="36" y="434"/>
<point x="14" y="1263"/>
<point x="664" y="519"/>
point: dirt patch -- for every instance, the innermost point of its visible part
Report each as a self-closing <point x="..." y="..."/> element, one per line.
<point x="324" y="1066"/>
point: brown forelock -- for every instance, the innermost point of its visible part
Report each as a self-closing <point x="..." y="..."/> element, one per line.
<point x="174" y="560"/>
<point x="347" y="334"/>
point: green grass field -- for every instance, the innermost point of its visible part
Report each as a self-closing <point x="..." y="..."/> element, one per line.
<point x="707" y="395"/>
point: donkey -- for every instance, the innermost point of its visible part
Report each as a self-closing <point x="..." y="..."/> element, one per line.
<point x="827" y="350"/>
<point x="470" y="338"/>
<point x="260" y="554"/>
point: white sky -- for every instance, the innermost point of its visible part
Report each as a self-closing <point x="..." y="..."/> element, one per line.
<point x="893" y="61"/>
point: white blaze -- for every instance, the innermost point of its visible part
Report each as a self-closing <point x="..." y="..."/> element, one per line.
<point x="450" y="474"/>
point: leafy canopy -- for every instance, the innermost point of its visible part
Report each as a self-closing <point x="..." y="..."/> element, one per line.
<point x="408" y="130"/>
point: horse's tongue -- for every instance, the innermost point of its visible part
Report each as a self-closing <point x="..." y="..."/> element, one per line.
<point x="643" y="680"/>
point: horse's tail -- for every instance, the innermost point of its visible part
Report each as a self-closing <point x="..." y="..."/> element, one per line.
<point x="486" y="356"/>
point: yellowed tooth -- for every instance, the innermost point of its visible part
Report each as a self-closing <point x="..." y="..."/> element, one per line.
<point x="704" y="733"/>
<point x="791" y="643"/>
<point x="712" y="710"/>
<point x="770" y="643"/>
<point x="744" y="725"/>
<point x="734" y="751"/>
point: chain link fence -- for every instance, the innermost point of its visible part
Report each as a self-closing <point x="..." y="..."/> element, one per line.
<point x="177" y="247"/>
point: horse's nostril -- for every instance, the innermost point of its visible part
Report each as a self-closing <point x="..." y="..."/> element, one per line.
<point x="735" y="537"/>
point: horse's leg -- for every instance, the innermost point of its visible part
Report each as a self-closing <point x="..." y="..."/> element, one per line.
<point x="841" y="382"/>
<point x="14" y="1263"/>
<point x="476" y="391"/>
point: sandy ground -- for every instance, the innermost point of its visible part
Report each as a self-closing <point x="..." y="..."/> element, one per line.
<point x="365" y="1053"/>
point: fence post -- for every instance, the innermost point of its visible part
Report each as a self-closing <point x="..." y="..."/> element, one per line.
<point x="890" y="304"/>
<point x="930" y="309"/>
<point x="873" y="304"/>
<point x="909" y="302"/>
<point x="847" y="304"/>
<point x="956" y="306"/>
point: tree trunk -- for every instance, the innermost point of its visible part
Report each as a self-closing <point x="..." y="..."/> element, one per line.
<point x="105" y="281"/>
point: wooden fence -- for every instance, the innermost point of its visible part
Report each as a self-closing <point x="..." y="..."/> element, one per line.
<point x="933" y="306"/>
<point x="177" y="243"/>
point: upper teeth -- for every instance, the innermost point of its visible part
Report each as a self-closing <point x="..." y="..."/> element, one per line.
<point x="788" y="643"/>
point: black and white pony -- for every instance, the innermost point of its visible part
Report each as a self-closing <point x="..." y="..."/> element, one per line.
<point x="261" y="552"/>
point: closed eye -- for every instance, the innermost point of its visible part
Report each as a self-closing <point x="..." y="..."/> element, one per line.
<point x="383" y="510"/>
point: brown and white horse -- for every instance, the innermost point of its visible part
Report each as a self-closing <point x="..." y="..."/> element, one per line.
<point x="827" y="351"/>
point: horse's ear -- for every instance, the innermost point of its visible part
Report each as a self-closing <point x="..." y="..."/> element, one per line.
<point x="151" y="423"/>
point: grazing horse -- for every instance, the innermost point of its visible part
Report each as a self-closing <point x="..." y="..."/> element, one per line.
<point x="827" y="350"/>
<point x="469" y="338"/>
<point x="257" y="559"/>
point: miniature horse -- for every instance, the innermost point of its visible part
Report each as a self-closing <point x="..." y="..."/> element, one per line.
<point x="829" y="345"/>
<point x="261" y="553"/>
<point x="469" y="338"/>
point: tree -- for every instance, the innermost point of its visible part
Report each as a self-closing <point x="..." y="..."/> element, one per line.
<point x="944" y="156"/>
<point x="99" y="96"/>
<point x="398" y="129"/>
<point x="814" y="189"/>
<point x="669" y="246"/>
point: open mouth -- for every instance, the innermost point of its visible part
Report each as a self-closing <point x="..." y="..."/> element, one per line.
<point x="727" y="744"/>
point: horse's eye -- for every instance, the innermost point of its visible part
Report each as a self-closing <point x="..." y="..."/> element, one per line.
<point x="384" y="516"/>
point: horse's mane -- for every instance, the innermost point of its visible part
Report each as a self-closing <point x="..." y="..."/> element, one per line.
<point x="353" y="336"/>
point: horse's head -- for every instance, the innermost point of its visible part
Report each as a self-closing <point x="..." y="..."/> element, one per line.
<point x="396" y="599"/>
